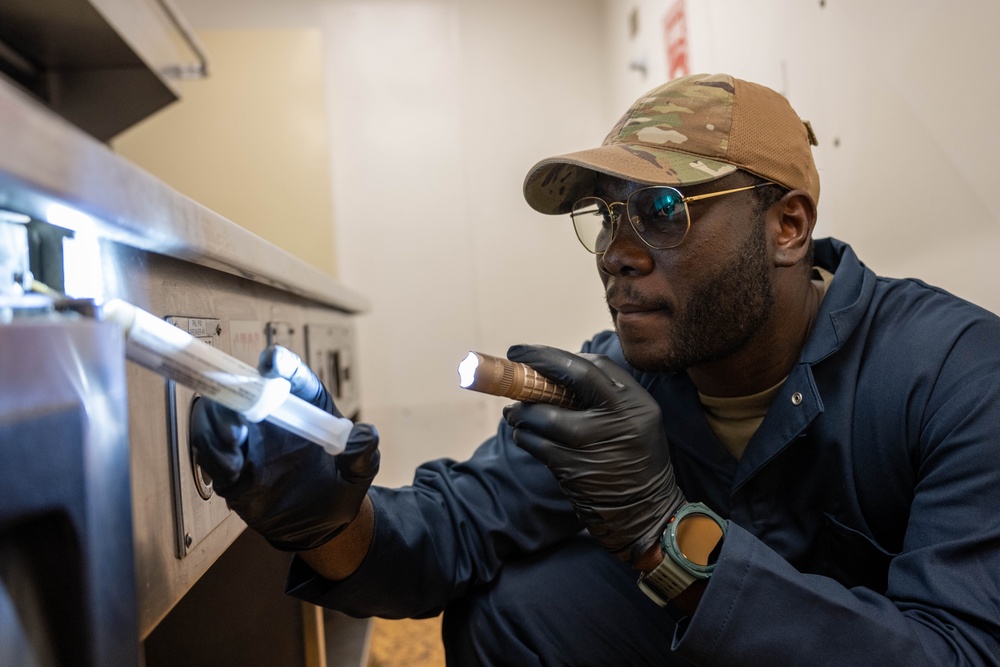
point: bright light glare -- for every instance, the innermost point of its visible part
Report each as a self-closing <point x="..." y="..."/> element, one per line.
<point x="12" y="217"/>
<point x="467" y="369"/>
<point x="82" y="274"/>
<point x="71" y="218"/>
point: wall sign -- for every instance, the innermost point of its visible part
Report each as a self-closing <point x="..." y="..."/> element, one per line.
<point x="675" y="40"/>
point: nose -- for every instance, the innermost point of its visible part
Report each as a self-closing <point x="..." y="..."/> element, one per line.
<point x="627" y="254"/>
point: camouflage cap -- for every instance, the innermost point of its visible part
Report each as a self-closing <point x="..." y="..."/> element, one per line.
<point x="691" y="130"/>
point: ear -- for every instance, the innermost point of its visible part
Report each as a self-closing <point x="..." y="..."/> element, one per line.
<point x="791" y="221"/>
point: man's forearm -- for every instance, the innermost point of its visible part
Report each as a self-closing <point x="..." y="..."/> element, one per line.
<point x="341" y="556"/>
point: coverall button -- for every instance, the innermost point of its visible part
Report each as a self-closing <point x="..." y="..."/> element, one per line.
<point x="796" y="398"/>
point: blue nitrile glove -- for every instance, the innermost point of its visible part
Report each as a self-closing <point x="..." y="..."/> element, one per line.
<point x="286" y="488"/>
<point x="610" y="456"/>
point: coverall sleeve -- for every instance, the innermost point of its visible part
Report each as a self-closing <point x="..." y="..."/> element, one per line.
<point x="451" y="530"/>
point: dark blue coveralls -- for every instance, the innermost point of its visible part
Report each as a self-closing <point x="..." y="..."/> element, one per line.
<point x="864" y="522"/>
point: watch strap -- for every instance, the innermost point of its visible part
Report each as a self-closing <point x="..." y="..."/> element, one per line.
<point x="667" y="581"/>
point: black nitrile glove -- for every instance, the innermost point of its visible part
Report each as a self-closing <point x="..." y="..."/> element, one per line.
<point x="610" y="456"/>
<point x="286" y="488"/>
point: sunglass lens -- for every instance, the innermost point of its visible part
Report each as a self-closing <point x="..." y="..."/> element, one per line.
<point x="662" y="216"/>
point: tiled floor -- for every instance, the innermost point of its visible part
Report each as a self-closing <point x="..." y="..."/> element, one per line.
<point x="406" y="643"/>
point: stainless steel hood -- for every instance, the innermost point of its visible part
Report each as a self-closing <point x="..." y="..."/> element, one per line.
<point x="103" y="65"/>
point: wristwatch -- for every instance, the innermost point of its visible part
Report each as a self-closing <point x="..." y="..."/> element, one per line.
<point x="690" y="544"/>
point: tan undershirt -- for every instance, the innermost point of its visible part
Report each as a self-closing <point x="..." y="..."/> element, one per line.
<point x="735" y="419"/>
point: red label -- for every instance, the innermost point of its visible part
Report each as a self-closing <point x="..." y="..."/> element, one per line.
<point x="675" y="39"/>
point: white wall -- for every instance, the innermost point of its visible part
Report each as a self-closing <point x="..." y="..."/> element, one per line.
<point x="903" y="99"/>
<point x="251" y="142"/>
<point x="437" y="110"/>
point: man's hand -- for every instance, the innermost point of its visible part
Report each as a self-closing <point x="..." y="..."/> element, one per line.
<point x="286" y="488"/>
<point x="610" y="456"/>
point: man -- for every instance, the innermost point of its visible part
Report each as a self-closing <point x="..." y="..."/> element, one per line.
<point x="778" y="457"/>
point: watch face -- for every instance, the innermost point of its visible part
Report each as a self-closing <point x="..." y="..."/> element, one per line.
<point x="698" y="536"/>
<point x="691" y="544"/>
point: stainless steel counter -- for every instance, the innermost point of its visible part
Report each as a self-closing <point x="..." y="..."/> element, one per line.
<point x="178" y="260"/>
<point x="45" y="162"/>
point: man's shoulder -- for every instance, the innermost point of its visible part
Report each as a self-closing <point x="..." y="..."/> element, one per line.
<point x="899" y="326"/>
<point x="905" y="301"/>
<point x="605" y="342"/>
<point x="913" y="306"/>
<point x="926" y="334"/>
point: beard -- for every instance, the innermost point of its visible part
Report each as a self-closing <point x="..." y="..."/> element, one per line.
<point x="718" y="318"/>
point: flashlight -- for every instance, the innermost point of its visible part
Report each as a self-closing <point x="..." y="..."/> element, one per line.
<point x="503" y="377"/>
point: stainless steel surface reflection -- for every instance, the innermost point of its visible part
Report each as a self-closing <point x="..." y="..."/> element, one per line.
<point x="67" y="580"/>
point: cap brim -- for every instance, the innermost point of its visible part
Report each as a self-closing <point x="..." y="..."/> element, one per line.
<point x="553" y="184"/>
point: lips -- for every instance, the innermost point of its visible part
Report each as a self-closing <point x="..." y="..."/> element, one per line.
<point x="630" y="302"/>
<point x="635" y="317"/>
<point x="630" y="308"/>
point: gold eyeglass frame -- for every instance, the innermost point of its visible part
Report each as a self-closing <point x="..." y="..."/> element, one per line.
<point x="615" y="219"/>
